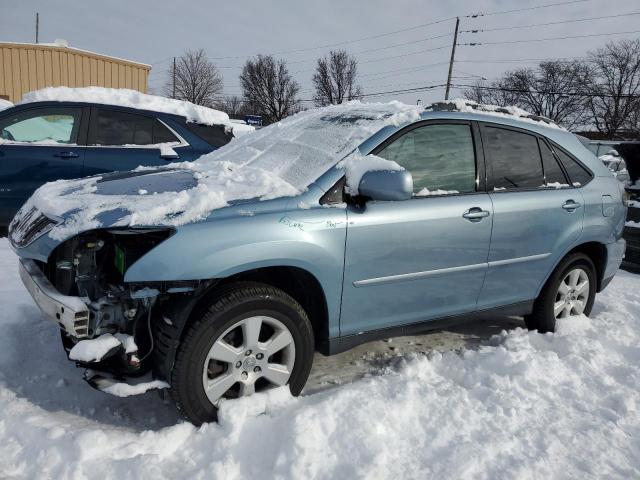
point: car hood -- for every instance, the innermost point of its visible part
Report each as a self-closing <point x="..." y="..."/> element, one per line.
<point x="172" y="196"/>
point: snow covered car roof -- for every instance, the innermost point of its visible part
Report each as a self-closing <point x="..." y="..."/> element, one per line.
<point x="4" y="104"/>
<point x="130" y="98"/>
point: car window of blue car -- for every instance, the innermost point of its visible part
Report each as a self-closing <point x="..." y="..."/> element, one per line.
<point x="116" y="128"/>
<point x="440" y="157"/>
<point x="42" y="126"/>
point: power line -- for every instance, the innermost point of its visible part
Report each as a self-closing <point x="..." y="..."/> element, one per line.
<point x="346" y="42"/>
<point x="520" y="60"/>
<point x="546" y="92"/>
<point x="531" y="40"/>
<point x="561" y="22"/>
<point x="535" y="7"/>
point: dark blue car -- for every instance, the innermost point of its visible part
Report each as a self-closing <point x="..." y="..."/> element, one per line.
<point x="46" y="141"/>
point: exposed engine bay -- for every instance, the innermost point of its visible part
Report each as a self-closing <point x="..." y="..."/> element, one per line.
<point x="92" y="267"/>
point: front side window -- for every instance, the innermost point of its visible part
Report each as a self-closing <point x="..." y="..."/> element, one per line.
<point x="42" y="126"/>
<point x="111" y="127"/>
<point x="440" y="158"/>
<point x="514" y="158"/>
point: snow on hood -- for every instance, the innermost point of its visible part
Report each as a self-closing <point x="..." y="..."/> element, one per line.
<point x="277" y="161"/>
<point x="4" y="104"/>
<point x="130" y="98"/>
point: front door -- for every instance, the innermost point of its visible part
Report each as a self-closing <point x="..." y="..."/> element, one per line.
<point x="121" y="140"/>
<point x="426" y="257"/>
<point x="38" y="145"/>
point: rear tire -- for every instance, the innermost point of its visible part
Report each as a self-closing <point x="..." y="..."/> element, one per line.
<point x="251" y="337"/>
<point x="570" y="290"/>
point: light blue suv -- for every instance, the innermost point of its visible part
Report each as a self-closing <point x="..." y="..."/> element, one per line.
<point x="344" y="225"/>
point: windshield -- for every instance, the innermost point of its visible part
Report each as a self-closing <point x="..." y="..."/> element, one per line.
<point x="301" y="148"/>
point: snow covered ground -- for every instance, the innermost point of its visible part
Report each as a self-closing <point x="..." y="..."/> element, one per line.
<point x="511" y="405"/>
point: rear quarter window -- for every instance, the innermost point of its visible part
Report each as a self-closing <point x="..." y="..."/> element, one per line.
<point x="578" y="175"/>
<point x="214" y="135"/>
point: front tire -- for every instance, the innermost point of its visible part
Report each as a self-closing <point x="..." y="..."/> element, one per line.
<point x="252" y="337"/>
<point x="571" y="290"/>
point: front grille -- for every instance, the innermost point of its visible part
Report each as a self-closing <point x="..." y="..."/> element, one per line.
<point x="24" y="229"/>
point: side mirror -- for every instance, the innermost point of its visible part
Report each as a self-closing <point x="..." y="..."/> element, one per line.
<point x="386" y="185"/>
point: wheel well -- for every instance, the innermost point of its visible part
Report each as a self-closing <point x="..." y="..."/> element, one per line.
<point x="300" y="284"/>
<point x="597" y="252"/>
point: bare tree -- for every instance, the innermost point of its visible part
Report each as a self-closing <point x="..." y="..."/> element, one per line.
<point x="542" y="91"/>
<point x="335" y="79"/>
<point x="233" y="106"/>
<point x="268" y="88"/>
<point x="197" y="80"/>
<point x="614" y="87"/>
<point x="493" y="93"/>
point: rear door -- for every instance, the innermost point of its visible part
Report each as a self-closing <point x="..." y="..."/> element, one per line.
<point x="37" y="145"/>
<point x="120" y="140"/>
<point x="538" y="214"/>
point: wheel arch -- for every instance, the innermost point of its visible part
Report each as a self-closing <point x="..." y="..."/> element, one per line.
<point x="180" y="310"/>
<point x="596" y="251"/>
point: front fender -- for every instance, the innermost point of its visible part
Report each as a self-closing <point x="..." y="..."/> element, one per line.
<point x="313" y="240"/>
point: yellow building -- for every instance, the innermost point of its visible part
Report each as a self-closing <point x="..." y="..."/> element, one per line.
<point x="25" y="67"/>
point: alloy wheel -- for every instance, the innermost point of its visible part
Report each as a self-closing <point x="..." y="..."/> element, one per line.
<point x="254" y="354"/>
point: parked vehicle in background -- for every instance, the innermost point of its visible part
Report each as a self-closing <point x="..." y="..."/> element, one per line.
<point x="63" y="133"/>
<point x="331" y="228"/>
<point x="616" y="165"/>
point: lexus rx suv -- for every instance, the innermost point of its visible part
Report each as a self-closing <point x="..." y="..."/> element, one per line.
<point x="334" y="227"/>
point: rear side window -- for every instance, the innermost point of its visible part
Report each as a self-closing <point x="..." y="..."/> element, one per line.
<point x="214" y="135"/>
<point x="553" y="174"/>
<point x="42" y="126"/>
<point x="514" y="159"/>
<point x="441" y="158"/>
<point x="578" y="175"/>
<point x="120" y="128"/>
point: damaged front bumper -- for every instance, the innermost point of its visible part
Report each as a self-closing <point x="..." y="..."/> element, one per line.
<point x="70" y="313"/>
<point x="72" y="316"/>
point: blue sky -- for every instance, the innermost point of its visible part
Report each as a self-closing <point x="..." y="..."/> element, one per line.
<point x="154" y="31"/>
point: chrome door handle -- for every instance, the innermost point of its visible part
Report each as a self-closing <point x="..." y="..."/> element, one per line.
<point x="475" y="214"/>
<point x="570" y="205"/>
<point x="66" y="155"/>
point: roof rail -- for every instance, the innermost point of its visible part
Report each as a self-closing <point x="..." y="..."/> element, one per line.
<point x="470" y="105"/>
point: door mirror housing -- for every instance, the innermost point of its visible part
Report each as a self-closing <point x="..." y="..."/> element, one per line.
<point x="386" y="185"/>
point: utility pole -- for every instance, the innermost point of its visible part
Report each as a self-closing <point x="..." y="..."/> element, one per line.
<point x="453" y="56"/>
<point x="174" y="77"/>
<point x="37" y="26"/>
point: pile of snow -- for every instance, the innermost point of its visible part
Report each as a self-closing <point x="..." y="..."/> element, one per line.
<point x="524" y="405"/>
<point x="130" y="98"/>
<point x="95" y="349"/>
<point x="4" y="104"/>
<point x="277" y="161"/>
<point x="469" y="106"/>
